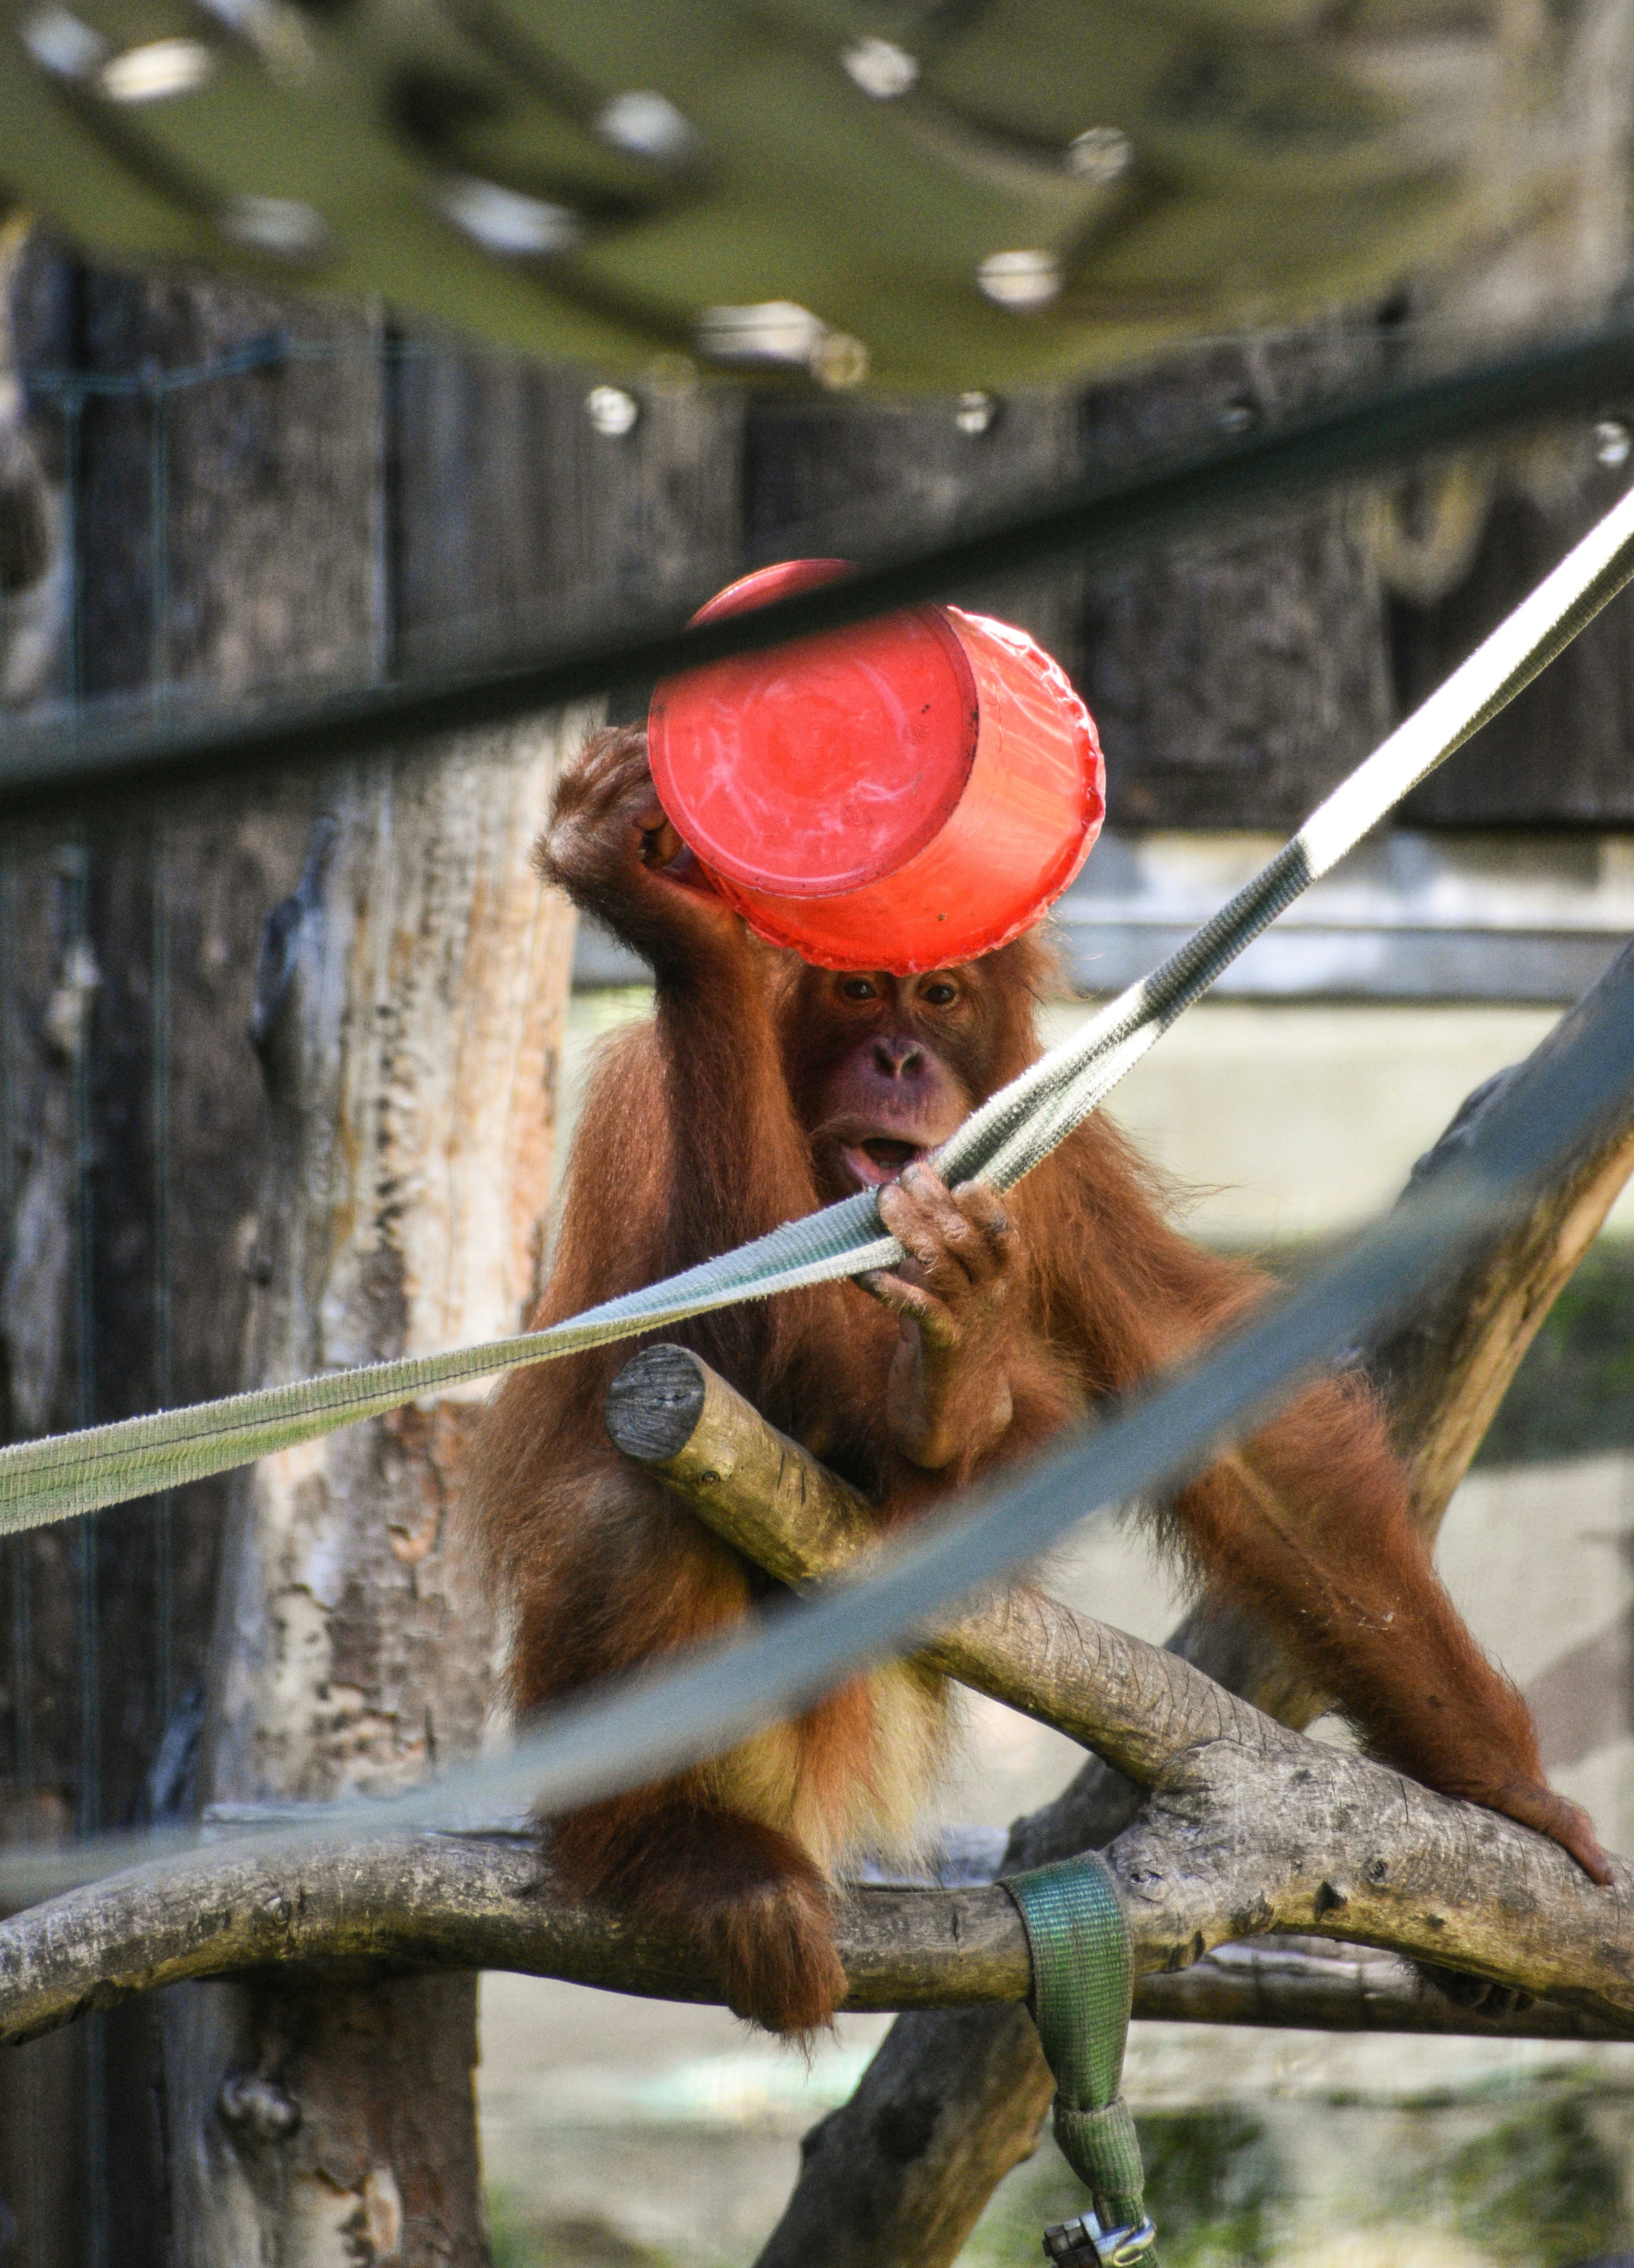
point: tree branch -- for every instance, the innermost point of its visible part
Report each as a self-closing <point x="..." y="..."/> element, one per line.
<point x="1249" y="1827"/>
<point x="1254" y="1827"/>
<point x="1445" y="1369"/>
<point x="1304" y="1983"/>
<point x="771" y="1500"/>
<point x="445" y="1901"/>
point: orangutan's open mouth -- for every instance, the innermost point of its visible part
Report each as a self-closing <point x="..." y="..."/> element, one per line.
<point x="880" y="1158"/>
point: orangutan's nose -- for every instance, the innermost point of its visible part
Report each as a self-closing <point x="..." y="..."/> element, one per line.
<point x="898" y="1059"/>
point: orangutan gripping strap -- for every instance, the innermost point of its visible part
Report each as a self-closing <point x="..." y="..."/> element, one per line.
<point x="761" y="1089"/>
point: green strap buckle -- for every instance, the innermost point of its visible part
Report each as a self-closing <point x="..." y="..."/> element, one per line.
<point x="1082" y="1981"/>
<point x="1084" y="2243"/>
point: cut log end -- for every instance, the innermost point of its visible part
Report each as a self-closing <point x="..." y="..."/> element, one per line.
<point x="653" y="1406"/>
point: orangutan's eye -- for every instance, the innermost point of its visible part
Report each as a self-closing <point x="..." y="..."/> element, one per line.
<point x="939" y="996"/>
<point x="858" y="988"/>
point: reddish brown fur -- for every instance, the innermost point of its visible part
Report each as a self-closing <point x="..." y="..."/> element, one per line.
<point x="697" y="1135"/>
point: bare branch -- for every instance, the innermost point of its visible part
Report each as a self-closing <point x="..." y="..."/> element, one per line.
<point x="1249" y="1827"/>
<point x="1301" y="1982"/>
<point x="446" y="1900"/>
<point x="774" y="1502"/>
<point x="1447" y="1368"/>
<point x="1254" y="1827"/>
<point x="1255" y="1830"/>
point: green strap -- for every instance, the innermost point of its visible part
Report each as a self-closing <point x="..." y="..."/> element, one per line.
<point x="1083" y="1982"/>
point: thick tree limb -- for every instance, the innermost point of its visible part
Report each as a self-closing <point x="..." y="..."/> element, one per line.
<point x="780" y="1507"/>
<point x="445" y="1901"/>
<point x="1445" y="1368"/>
<point x="1252" y="1821"/>
<point x="1251" y="1828"/>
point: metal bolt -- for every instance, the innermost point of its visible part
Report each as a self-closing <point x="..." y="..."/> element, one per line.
<point x="158" y="72"/>
<point x="974" y="413"/>
<point x="648" y="125"/>
<point x="282" y="226"/>
<point x="503" y="222"/>
<point x="1019" y="279"/>
<point x="611" y="411"/>
<point x="879" y="68"/>
<point x="1099" y="155"/>
<point x="838" y="361"/>
<point x="1612" y="443"/>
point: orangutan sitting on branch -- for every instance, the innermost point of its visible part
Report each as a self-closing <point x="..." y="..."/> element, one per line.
<point x="761" y="1089"/>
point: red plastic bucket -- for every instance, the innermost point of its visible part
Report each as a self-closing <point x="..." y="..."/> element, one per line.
<point x="901" y="795"/>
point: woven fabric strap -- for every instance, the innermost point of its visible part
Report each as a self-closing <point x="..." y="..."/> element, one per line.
<point x="70" y="1473"/>
<point x="1082" y="1987"/>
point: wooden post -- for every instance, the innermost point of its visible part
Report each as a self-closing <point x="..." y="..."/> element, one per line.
<point x="408" y="1013"/>
<point x="132" y="1113"/>
<point x="362" y="498"/>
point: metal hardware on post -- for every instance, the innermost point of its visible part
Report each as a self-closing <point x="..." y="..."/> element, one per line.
<point x="1084" y="2243"/>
